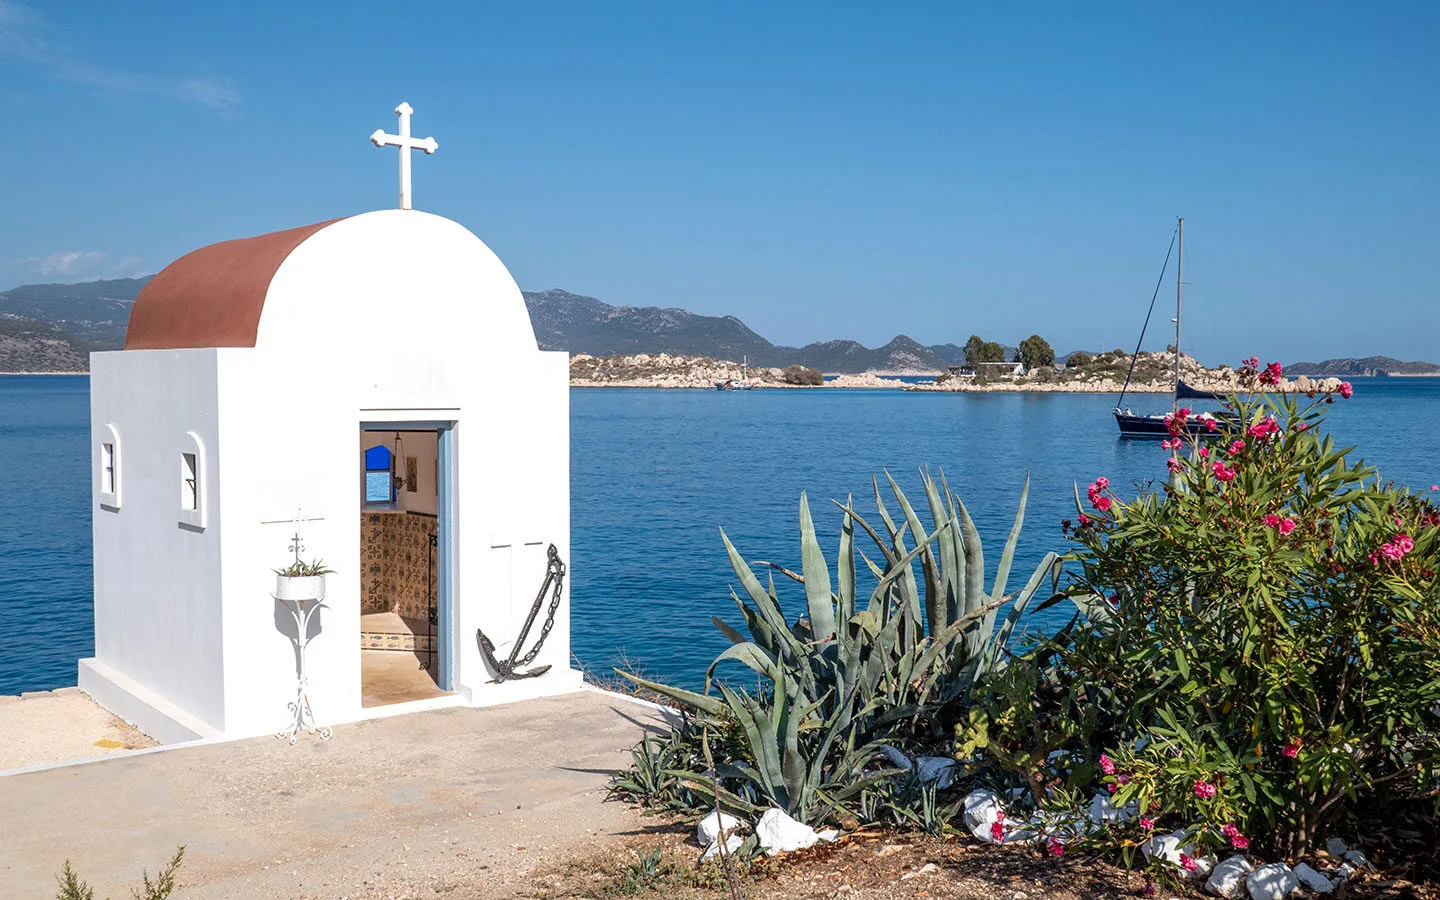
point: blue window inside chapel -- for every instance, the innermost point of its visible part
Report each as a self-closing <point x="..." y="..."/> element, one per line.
<point x="379" y="485"/>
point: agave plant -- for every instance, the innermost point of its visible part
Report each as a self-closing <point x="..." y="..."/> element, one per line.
<point x="844" y="678"/>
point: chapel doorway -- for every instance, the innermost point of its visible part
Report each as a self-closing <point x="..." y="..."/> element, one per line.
<point x="404" y="592"/>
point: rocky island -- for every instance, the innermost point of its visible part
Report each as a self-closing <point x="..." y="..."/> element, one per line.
<point x="1102" y="373"/>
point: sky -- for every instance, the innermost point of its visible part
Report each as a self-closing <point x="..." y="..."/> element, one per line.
<point x="827" y="170"/>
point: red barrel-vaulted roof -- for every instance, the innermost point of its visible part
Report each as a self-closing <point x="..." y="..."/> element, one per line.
<point x="212" y="297"/>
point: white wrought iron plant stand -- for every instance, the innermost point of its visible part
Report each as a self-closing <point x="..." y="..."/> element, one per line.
<point x="302" y="718"/>
<point x="302" y="597"/>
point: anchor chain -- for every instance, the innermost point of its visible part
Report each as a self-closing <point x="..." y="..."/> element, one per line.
<point x="554" y="583"/>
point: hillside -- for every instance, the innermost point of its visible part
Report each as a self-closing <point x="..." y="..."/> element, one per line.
<point x="96" y="311"/>
<point x="1362" y="367"/>
<point x="29" y="346"/>
<point x="580" y="324"/>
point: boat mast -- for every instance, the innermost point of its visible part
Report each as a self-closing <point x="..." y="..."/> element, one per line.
<point x="1179" y="274"/>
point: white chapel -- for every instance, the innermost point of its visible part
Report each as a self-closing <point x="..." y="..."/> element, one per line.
<point x="365" y="391"/>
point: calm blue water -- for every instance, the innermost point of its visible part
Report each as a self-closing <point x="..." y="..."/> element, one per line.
<point x="657" y="473"/>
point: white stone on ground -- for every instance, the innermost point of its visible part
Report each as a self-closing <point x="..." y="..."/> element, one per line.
<point x="1336" y="847"/>
<point x="1227" y="879"/>
<point x="895" y="757"/>
<point x="1165" y="846"/>
<point x="981" y="808"/>
<point x="1314" y="880"/>
<point x="938" y="770"/>
<point x="1103" y="812"/>
<point x="1357" y="858"/>
<point x="778" y="833"/>
<point x="733" y="843"/>
<point x="708" y="831"/>
<point x="1272" y="882"/>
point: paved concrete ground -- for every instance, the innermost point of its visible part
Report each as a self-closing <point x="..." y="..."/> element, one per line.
<point x="413" y="806"/>
<point x="46" y="727"/>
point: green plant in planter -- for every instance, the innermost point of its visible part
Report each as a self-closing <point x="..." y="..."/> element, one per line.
<point x="301" y="569"/>
<point x="854" y="673"/>
<point x="1272" y="650"/>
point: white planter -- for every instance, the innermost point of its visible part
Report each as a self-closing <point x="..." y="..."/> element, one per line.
<point x="310" y="587"/>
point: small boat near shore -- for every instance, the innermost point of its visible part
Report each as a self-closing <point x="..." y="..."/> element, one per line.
<point x="743" y="383"/>
<point x="1158" y="425"/>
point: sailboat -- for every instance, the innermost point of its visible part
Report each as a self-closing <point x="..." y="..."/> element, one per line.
<point x="743" y="383"/>
<point x="1135" y="425"/>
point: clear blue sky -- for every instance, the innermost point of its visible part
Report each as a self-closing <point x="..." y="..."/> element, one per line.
<point x="827" y="170"/>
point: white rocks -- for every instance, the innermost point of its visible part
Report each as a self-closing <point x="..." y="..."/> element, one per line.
<point x="1356" y="858"/>
<point x="981" y="809"/>
<point x="778" y="833"/>
<point x="1166" y="846"/>
<point x="733" y="842"/>
<point x="1271" y="882"/>
<point x="708" y="831"/>
<point x="1227" y="879"/>
<point x="1313" y="880"/>
<point x="1103" y="812"/>
<point x="940" y="771"/>
<point x="1336" y="847"/>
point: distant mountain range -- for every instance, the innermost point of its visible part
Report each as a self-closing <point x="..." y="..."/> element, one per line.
<point x="93" y="316"/>
<point x="1364" y="367"/>
<point x="579" y="324"/>
<point x="94" y="311"/>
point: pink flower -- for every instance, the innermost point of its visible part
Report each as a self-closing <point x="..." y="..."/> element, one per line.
<point x="1301" y="426"/>
<point x="1229" y="830"/>
<point x="1405" y="543"/>
<point x="1292" y="749"/>
<point x="1114" y="601"/>
<point x="1112" y="788"/>
<point x="1056" y="848"/>
<point x="1264" y="428"/>
<point x="1084" y="520"/>
<point x="1435" y="487"/>
<point x="1172" y="464"/>
<point x="1204" y="789"/>
<point x="997" y="830"/>
<point x="1204" y="452"/>
<point x="1287" y="525"/>
<point x="1253" y="362"/>
<point x="1188" y="864"/>
<point x="1272" y="520"/>
<point x="1102" y="482"/>
<point x="1101" y="503"/>
<point x="1236" y="447"/>
<point x="1122" y="778"/>
<point x="1239" y="842"/>
<point x="1184" y="413"/>
<point x="1272" y="374"/>
<point x="1346" y="390"/>
<point x="1169" y="444"/>
<point x="1222" y="472"/>
<point x="1147" y="823"/>
<point x="1391" y="551"/>
<point x="1211" y="424"/>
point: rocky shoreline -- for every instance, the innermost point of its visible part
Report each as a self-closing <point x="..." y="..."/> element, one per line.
<point x="1104" y="375"/>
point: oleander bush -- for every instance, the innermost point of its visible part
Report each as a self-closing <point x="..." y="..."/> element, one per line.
<point x="1263" y="653"/>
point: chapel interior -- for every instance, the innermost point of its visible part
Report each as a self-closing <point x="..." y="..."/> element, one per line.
<point x="399" y="531"/>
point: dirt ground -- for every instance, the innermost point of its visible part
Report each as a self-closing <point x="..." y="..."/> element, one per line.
<point x="46" y="727"/>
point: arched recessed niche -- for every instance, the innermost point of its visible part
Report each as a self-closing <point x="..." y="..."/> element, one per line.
<point x="107" y="468"/>
<point x="194" y="481"/>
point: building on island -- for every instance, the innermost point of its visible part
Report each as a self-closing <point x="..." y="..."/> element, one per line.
<point x="366" y="391"/>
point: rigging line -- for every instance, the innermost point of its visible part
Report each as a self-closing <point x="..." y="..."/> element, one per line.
<point x="1135" y="357"/>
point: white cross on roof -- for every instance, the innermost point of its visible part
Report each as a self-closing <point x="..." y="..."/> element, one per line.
<point x="406" y="143"/>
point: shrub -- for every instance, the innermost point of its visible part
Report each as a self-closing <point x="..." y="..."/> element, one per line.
<point x="1265" y="645"/>
<point x="802" y="375"/>
<point x="72" y="887"/>
<point x="848" y="675"/>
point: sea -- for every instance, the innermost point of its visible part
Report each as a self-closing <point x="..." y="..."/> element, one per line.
<point x="657" y="474"/>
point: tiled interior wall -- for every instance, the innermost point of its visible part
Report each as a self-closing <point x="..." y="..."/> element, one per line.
<point x="395" y="559"/>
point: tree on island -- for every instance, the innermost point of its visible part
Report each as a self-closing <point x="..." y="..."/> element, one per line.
<point x="979" y="350"/>
<point x="1035" y="352"/>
